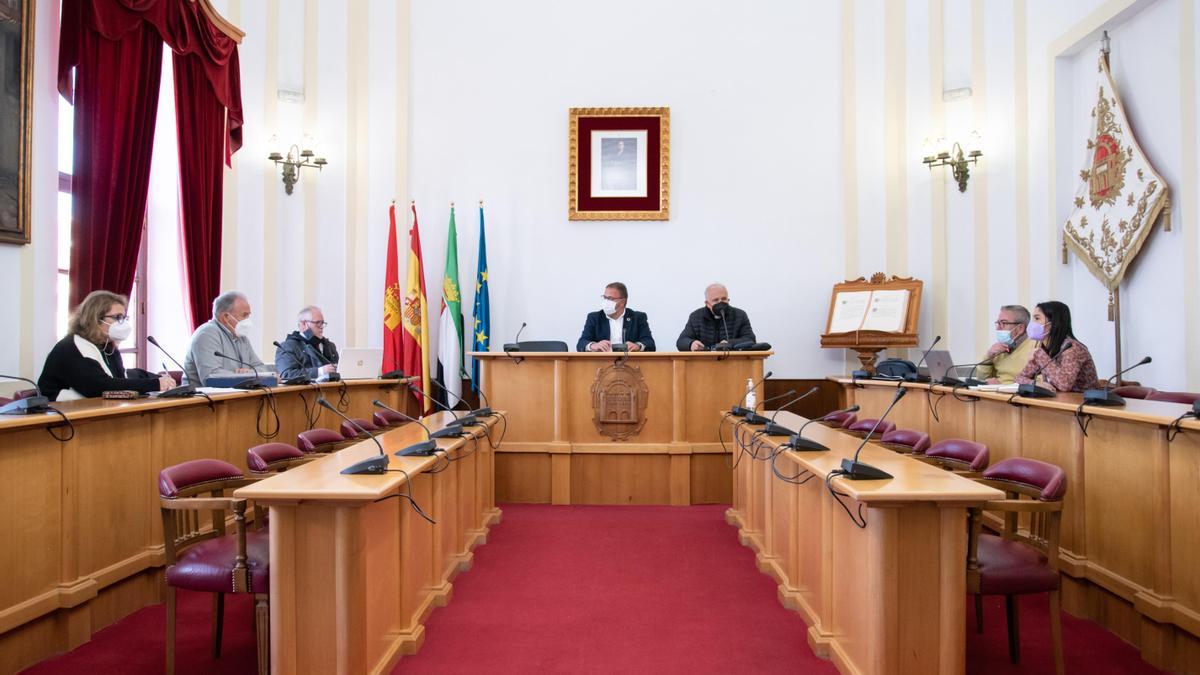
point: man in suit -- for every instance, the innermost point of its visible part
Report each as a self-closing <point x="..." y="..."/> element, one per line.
<point x="614" y="324"/>
<point x="715" y="323"/>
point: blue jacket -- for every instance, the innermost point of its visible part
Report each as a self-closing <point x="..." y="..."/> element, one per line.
<point x="637" y="329"/>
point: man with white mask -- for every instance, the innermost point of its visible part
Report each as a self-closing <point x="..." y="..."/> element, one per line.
<point x="1012" y="350"/>
<point x="613" y="324"/>
<point x="226" y="333"/>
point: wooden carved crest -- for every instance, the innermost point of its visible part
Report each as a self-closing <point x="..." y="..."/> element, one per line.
<point x="619" y="397"/>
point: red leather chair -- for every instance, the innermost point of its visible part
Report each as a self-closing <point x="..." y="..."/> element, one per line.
<point x="860" y="428"/>
<point x="271" y="458"/>
<point x="320" y="440"/>
<point x="349" y="432"/>
<point x="1133" y="391"/>
<point x="905" y="441"/>
<point x="1174" y="397"/>
<point x="1018" y="562"/>
<point x="839" y="420"/>
<point x="211" y="560"/>
<point x="958" y="455"/>
<point x="384" y="419"/>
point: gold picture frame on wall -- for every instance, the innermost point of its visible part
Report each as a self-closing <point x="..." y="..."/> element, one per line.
<point x="619" y="164"/>
<point x="16" y="94"/>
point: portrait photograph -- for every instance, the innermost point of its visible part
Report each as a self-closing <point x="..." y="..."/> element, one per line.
<point x="619" y="164"/>
<point x="15" y="71"/>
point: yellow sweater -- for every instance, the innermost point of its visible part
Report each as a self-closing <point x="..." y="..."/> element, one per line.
<point x="1006" y="367"/>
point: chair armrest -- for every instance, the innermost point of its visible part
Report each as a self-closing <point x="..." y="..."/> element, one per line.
<point x="1022" y="506"/>
<point x="200" y="503"/>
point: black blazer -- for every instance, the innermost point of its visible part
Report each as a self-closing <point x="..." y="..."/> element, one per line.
<point x="66" y="368"/>
<point x="595" y="329"/>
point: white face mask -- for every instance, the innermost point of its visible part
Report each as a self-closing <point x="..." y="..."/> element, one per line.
<point x="120" y="331"/>
<point x="609" y="306"/>
<point x="242" y="328"/>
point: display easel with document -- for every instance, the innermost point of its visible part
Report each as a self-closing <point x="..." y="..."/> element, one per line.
<point x="869" y="316"/>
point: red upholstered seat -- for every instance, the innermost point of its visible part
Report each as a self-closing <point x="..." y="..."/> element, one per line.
<point x="839" y="420"/>
<point x="24" y="393"/>
<point x="194" y="475"/>
<point x="1131" y="391"/>
<point x="959" y="454"/>
<point x="1047" y="480"/>
<point x="1174" y="397"/>
<point x="1011" y="568"/>
<point x="318" y="440"/>
<point x="208" y="566"/>
<point x="348" y="430"/>
<point x="863" y="426"/>
<point x="906" y="440"/>
<point x="264" y="458"/>
<point x="387" y="418"/>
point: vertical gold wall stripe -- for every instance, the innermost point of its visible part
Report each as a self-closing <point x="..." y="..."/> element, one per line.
<point x="1186" y="207"/>
<point x="895" y="134"/>
<point x="268" y="307"/>
<point x="229" y="188"/>
<point x="403" y="55"/>
<point x="849" y="142"/>
<point x="937" y="182"/>
<point x="356" y="169"/>
<point x="311" y="94"/>
<point x="979" y="182"/>
<point x="1021" y="150"/>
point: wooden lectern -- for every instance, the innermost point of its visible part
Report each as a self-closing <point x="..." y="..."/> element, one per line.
<point x="870" y="316"/>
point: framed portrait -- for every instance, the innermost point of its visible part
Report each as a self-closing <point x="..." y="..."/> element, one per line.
<point x="619" y="164"/>
<point x="16" y="92"/>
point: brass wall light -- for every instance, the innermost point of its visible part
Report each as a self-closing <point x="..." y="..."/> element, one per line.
<point x="953" y="155"/>
<point x="295" y="160"/>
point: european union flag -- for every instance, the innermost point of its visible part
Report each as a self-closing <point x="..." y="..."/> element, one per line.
<point x="482" y="311"/>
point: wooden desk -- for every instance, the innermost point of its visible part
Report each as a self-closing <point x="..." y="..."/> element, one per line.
<point x="1130" y="551"/>
<point x="885" y="598"/>
<point x="553" y="452"/>
<point x="354" y="573"/>
<point x="83" y="537"/>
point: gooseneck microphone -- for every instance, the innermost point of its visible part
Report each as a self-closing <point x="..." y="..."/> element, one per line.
<point x="486" y="410"/>
<point x="740" y="410"/>
<point x="949" y="380"/>
<point x="755" y="418"/>
<point x="515" y="345"/>
<point x="1032" y="390"/>
<point x="479" y="411"/>
<point x="302" y="379"/>
<point x="1103" y="396"/>
<point x="916" y="375"/>
<point x="856" y="470"/>
<point x="255" y="383"/>
<point x="371" y="465"/>
<point x="773" y="429"/>
<point x="465" y="420"/>
<point x="425" y="447"/>
<point x="29" y="405"/>
<point x="183" y="390"/>
<point x="797" y="440"/>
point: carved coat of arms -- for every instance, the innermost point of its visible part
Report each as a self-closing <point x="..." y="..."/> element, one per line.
<point x="619" y="397"/>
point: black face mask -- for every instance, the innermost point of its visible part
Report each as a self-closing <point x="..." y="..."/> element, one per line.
<point x="310" y="339"/>
<point x="720" y="308"/>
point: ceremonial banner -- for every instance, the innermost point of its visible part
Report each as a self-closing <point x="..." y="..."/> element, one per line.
<point x="415" y="318"/>
<point x="450" y="326"/>
<point x="1120" y="195"/>
<point x="482" y="312"/>
<point x="393" y="347"/>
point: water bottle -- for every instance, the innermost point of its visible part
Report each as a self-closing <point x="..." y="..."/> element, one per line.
<point x="751" y="397"/>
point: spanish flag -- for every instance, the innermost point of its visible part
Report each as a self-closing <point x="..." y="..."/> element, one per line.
<point x="414" y="339"/>
<point x="393" y="348"/>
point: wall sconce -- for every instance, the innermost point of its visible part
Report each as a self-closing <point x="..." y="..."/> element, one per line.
<point x="295" y="160"/>
<point x="952" y="154"/>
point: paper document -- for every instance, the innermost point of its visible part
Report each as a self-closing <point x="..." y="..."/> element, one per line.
<point x="849" y="309"/>
<point x="883" y="311"/>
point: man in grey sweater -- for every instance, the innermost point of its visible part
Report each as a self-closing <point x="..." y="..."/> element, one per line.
<point x="226" y="333"/>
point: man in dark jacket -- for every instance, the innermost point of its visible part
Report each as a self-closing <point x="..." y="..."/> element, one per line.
<point x="714" y="323"/>
<point x="305" y="352"/>
<point x="614" y="324"/>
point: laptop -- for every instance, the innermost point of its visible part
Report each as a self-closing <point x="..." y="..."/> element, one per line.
<point x="939" y="363"/>
<point x="360" y="364"/>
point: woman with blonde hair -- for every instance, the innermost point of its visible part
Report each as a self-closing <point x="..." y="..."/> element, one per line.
<point x="87" y="362"/>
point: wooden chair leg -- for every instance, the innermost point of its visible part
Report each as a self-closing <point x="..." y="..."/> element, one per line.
<point x="218" y="622"/>
<point x="262" y="625"/>
<point x="979" y="613"/>
<point x="1014" y="629"/>
<point x="1056" y="631"/>
<point x="170" y="630"/>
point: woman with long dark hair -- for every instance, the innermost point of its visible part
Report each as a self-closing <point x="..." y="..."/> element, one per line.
<point x="1060" y="361"/>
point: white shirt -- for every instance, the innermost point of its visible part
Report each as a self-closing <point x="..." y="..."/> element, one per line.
<point x="616" y="329"/>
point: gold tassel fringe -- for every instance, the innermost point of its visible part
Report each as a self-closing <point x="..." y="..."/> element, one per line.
<point x="1064" y="249"/>
<point x="1112" y="308"/>
<point x="1167" y="214"/>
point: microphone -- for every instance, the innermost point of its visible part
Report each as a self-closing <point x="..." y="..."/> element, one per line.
<point x="465" y="420"/>
<point x="740" y="410"/>
<point x="949" y="380"/>
<point x="515" y="345"/>
<point x="486" y="410"/>
<point x="725" y="325"/>
<point x="855" y="470"/>
<point x="753" y="417"/>
<point x="461" y="399"/>
<point x="302" y="379"/>
<point x="28" y="405"/>
<point x="371" y="465"/>
<point x="425" y="447"/>
<point x="798" y="442"/>
<point x="1103" y="396"/>
<point x="255" y="383"/>
<point x="183" y="390"/>
<point x="916" y="376"/>
<point x="1032" y="390"/>
<point x="773" y="429"/>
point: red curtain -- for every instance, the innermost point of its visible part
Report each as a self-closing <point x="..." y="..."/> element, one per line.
<point x="115" y="48"/>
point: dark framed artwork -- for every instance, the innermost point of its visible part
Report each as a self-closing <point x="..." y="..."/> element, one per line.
<point x="620" y="164"/>
<point x="16" y="94"/>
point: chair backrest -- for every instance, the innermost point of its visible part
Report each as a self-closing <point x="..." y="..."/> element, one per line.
<point x="542" y="346"/>
<point x="1043" y="486"/>
<point x="865" y="425"/>
<point x="959" y="454"/>
<point x="184" y="527"/>
<point x="386" y="418"/>
<point x="906" y="441"/>
<point x="839" y="420"/>
<point x="319" y="440"/>
<point x="349" y="431"/>
<point x="1133" y="391"/>
<point x="1174" y="397"/>
<point x="270" y="458"/>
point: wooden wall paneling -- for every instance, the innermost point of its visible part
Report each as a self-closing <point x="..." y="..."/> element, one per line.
<point x="998" y="426"/>
<point x="828" y="397"/>
<point x="1184" y="514"/>
<point x="523" y="477"/>
<point x="527" y="386"/>
<point x="711" y="478"/>
<point x="581" y="374"/>
<point x="37" y="503"/>
<point x="948" y="417"/>
<point x="708" y="385"/>
<point x="611" y="478"/>
<point x="1053" y="437"/>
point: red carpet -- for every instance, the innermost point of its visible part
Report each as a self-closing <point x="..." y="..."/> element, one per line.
<point x="601" y="589"/>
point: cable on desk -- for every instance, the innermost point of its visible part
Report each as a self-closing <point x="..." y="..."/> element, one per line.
<point x="66" y="420"/>
<point x="860" y="520"/>
<point x="407" y="495"/>
<point x="267" y="403"/>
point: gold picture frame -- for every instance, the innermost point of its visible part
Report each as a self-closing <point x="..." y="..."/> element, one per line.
<point x="619" y="164"/>
<point x="16" y="119"/>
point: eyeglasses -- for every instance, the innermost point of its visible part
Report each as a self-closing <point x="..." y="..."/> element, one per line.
<point x="616" y="299"/>
<point x="1007" y="324"/>
<point x="318" y="324"/>
<point x="116" y="318"/>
